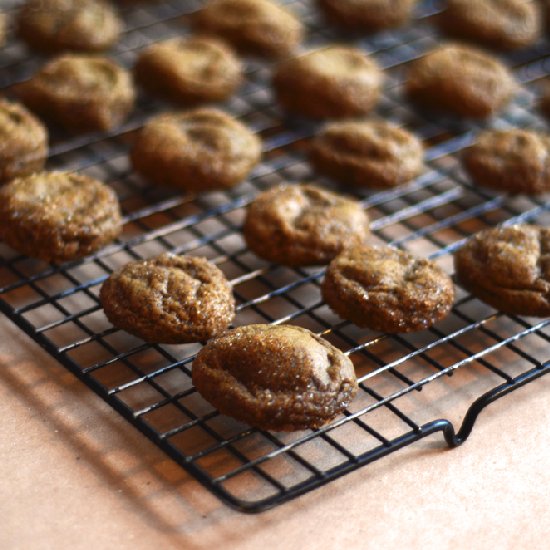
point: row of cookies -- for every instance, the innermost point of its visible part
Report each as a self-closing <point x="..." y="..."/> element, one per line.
<point x="256" y="25"/>
<point x="206" y="149"/>
<point x="85" y="93"/>
<point x="263" y="27"/>
<point x="328" y="82"/>
<point x="59" y="216"/>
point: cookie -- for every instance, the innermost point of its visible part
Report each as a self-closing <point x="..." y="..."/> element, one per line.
<point x="460" y="80"/>
<point x="68" y="25"/>
<point x="513" y="161"/>
<point x="195" y="151"/>
<point x="508" y="268"/>
<point x="498" y="24"/>
<point x="23" y="142"/>
<point x="275" y="377"/>
<point x="81" y="93"/>
<point x="371" y="154"/>
<point x="190" y="70"/>
<point x="258" y="27"/>
<point x="330" y="82"/>
<point x="367" y="15"/>
<point x="58" y="216"/>
<point x="386" y="289"/>
<point x="169" y="299"/>
<point x="299" y="225"/>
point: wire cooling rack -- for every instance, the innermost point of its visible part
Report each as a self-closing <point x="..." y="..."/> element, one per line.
<point x="407" y="388"/>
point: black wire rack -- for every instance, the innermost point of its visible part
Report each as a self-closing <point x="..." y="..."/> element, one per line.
<point x="407" y="387"/>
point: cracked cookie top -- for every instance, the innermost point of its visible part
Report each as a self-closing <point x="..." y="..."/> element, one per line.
<point x="196" y="150"/>
<point x="80" y="92"/>
<point x="328" y="82"/>
<point x="169" y="299"/>
<point x="275" y="377"/>
<point x="461" y="80"/>
<point x="189" y="70"/>
<point x="367" y="15"/>
<point x="386" y="289"/>
<point x="303" y="224"/>
<point x="58" y="216"/>
<point x="259" y="27"/>
<point x="69" y="25"/>
<point x="23" y="141"/>
<point x="371" y="154"/>
<point x="499" y="24"/>
<point x="508" y="268"/>
<point x="512" y="161"/>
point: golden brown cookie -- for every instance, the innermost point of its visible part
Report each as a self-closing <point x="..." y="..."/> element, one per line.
<point x="367" y="15"/>
<point x="499" y="24"/>
<point x="23" y="142"/>
<point x="330" y="82"/>
<point x="257" y="27"/>
<point x="512" y="161"/>
<point x="81" y="93"/>
<point x="371" y="154"/>
<point x="75" y="25"/>
<point x="189" y="70"/>
<point x="508" y="268"/>
<point x="461" y="80"/>
<point x="58" y="216"/>
<point x="386" y="289"/>
<point x="169" y="299"/>
<point x="275" y="377"/>
<point x="197" y="150"/>
<point x="301" y="225"/>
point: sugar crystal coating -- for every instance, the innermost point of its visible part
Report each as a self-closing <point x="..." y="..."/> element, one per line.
<point x="280" y="378"/>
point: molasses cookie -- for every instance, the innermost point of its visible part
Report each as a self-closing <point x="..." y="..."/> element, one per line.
<point x="300" y="225"/>
<point x="499" y="24"/>
<point x="388" y="290"/>
<point x="461" y="80"/>
<point x="169" y="299"/>
<point x="76" y="25"/>
<point x="189" y="70"/>
<point x="81" y="93"/>
<point x="367" y="15"/>
<point x="330" y="82"/>
<point x="512" y="161"/>
<point x="275" y="377"/>
<point x="258" y="27"/>
<point x="58" y="216"/>
<point x="197" y="150"/>
<point x="375" y="154"/>
<point x="23" y="142"/>
<point x="508" y="268"/>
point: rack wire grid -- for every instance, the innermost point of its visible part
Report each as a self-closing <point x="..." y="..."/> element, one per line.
<point x="406" y="387"/>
